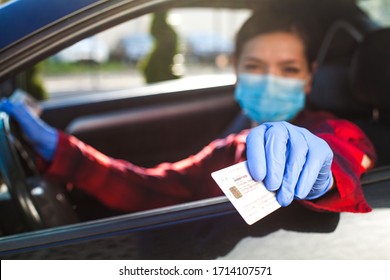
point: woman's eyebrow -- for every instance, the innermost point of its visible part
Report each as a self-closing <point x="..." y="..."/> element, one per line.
<point x="253" y="59"/>
<point x="258" y="60"/>
<point x="289" y="62"/>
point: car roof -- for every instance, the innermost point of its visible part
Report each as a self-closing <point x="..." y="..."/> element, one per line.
<point x="15" y="16"/>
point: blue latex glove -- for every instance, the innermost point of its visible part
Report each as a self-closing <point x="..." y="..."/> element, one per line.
<point x="289" y="160"/>
<point x="41" y="136"/>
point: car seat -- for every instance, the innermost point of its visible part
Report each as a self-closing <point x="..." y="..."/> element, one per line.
<point x="331" y="88"/>
<point x="370" y="84"/>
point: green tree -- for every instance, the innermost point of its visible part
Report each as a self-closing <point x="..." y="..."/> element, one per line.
<point x="158" y="65"/>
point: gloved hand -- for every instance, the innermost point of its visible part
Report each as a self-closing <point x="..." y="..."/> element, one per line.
<point x="41" y="136"/>
<point x="289" y="160"/>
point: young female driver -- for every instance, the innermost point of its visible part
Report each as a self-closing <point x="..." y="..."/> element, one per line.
<point x="309" y="156"/>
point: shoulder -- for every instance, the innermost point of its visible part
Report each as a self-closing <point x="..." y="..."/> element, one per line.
<point x="323" y="121"/>
<point x="308" y="118"/>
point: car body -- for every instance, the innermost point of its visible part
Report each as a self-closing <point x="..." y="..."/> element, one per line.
<point x="186" y="114"/>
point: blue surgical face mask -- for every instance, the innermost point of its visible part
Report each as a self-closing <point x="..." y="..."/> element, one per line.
<point x="266" y="98"/>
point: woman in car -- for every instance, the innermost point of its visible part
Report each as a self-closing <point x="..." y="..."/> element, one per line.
<point x="309" y="156"/>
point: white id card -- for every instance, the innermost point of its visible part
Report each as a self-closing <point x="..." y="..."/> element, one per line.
<point x="251" y="199"/>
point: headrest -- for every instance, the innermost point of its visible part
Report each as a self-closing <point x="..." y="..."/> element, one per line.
<point x="331" y="91"/>
<point x="370" y="71"/>
<point x="331" y="88"/>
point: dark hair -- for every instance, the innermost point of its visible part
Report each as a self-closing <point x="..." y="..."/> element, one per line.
<point x="273" y="20"/>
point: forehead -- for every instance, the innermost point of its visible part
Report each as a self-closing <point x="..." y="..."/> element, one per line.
<point x="276" y="45"/>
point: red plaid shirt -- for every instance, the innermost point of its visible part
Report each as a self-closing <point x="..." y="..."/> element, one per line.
<point x="124" y="186"/>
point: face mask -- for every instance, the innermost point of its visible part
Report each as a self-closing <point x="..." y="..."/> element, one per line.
<point x="266" y="98"/>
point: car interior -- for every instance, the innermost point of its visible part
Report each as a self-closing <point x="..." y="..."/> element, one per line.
<point x="169" y="121"/>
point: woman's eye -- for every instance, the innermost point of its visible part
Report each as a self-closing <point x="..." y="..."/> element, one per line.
<point x="291" y="70"/>
<point x="250" y="66"/>
<point x="254" y="68"/>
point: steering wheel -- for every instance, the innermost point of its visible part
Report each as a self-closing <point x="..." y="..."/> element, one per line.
<point x="42" y="204"/>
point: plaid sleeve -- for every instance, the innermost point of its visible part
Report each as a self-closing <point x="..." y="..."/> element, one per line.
<point x="124" y="186"/>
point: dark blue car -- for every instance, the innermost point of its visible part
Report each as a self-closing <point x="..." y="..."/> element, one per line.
<point x="41" y="219"/>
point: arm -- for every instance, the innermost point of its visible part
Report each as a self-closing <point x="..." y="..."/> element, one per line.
<point x="124" y="186"/>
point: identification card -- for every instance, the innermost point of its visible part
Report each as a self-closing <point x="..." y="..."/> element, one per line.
<point x="251" y="199"/>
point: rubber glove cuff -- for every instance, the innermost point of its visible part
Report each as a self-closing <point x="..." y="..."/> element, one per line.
<point x="316" y="193"/>
<point x="48" y="149"/>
